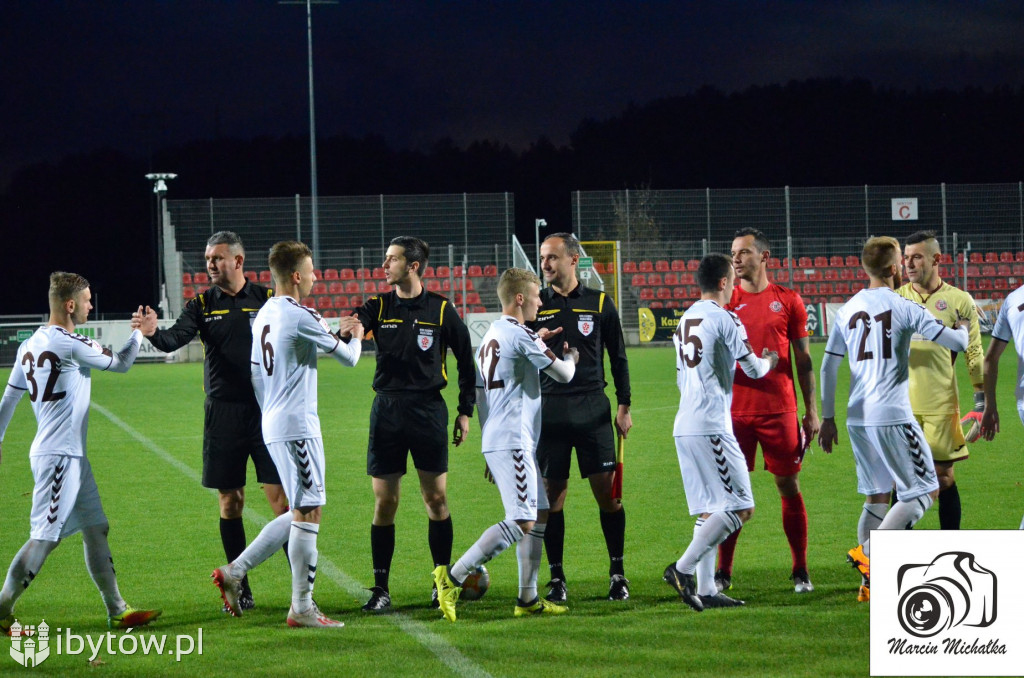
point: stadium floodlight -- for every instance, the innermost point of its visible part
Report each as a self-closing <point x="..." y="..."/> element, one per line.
<point x="159" y="180"/>
<point x="537" y="223"/>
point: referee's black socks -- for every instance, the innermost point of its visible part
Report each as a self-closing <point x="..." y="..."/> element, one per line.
<point x="554" y="543"/>
<point x="382" y="549"/>
<point x="440" y="537"/>
<point x="949" y="508"/>
<point x="614" y="527"/>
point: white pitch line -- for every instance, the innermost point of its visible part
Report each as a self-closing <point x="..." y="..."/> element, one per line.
<point x="441" y="648"/>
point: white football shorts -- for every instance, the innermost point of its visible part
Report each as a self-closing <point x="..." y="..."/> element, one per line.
<point x="715" y="475"/>
<point x="518" y="479"/>
<point x="894" y="454"/>
<point x="300" y="463"/>
<point x="65" y="498"/>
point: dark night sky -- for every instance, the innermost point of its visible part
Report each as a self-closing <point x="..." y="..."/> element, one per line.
<point x="142" y="75"/>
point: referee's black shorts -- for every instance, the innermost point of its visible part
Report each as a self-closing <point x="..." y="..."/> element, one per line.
<point x="583" y="421"/>
<point x="399" y="425"/>
<point x="232" y="434"/>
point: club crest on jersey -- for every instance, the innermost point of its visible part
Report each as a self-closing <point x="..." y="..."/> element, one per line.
<point x="585" y="323"/>
<point x="425" y="339"/>
<point x="775" y="306"/>
<point x="941" y="305"/>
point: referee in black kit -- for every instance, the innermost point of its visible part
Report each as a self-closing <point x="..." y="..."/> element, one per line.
<point x="578" y="414"/>
<point x="413" y="330"/>
<point x="222" y="317"/>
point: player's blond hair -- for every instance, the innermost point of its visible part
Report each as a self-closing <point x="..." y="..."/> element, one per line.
<point x="879" y="254"/>
<point x="65" y="286"/>
<point x="285" y="258"/>
<point x="515" y="281"/>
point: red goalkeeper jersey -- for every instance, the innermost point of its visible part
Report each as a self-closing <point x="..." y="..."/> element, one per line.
<point x="772" y="318"/>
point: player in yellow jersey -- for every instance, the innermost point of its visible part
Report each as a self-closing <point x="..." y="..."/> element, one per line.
<point x="933" y="389"/>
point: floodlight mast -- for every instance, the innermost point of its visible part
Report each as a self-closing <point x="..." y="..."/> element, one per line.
<point x="160" y="180"/>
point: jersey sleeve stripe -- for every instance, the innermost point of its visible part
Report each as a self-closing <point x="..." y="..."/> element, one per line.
<point x="17" y="387"/>
<point x="838" y="355"/>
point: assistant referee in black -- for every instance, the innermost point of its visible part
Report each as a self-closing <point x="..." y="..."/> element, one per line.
<point x="413" y="330"/>
<point x="222" y="317"/>
<point x="578" y="414"/>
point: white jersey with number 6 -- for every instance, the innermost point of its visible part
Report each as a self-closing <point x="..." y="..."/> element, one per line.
<point x="708" y="342"/>
<point x="508" y="364"/>
<point x="1010" y="327"/>
<point x="54" y="367"/>
<point x="285" y="337"/>
<point x="875" y="327"/>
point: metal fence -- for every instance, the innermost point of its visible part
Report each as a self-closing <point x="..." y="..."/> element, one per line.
<point x="800" y="222"/>
<point x="353" y="230"/>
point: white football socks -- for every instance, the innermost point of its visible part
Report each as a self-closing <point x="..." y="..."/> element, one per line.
<point x="716" y="528"/>
<point x="902" y="516"/>
<point x="493" y="541"/>
<point x="871" y="517"/>
<point x="100" y="564"/>
<point x="705" y="567"/>
<point x="272" y="537"/>
<point x="23" y="570"/>
<point x="303" y="556"/>
<point x="528" y="552"/>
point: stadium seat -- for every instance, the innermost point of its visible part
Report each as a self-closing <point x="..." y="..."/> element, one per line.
<point x="201" y="278"/>
<point x="799" y="275"/>
<point x="646" y="293"/>
<point x="1000" y="284"/>
<point x="821" y="262"/>
<point x="654" y="279"/>
<point x="433" y="285"/>
<point x="369" y="287"/>
<point x="1019" y="256"/>
<point x="976" y="258"/>
<point x="809" y="289"/>
<point x="655" y="304"/>
<point x="480" y="308"/>
<point x="318" y="274"/>
<point x="188" y="292"/>
<point x="836" y="261"/>
<point x="662" y="266"/>
<point x="679" y="293"/>
<point x="639" y="280"/>
<point x="363" y="274"/>
<point x="836" y="300"/>
<point x="693" y="264"/>
<point x="308" y="301"/>
<point x="646" y="267"/>
<point x="847" y="274"/>
<point x="672" y="304"/>
<point x="266" y="277"/>
<point x="319" y="288"/>
<point x="671" y="279"/>
<point x="428" y="272"/>
<point x="857" y="287"/>
<point x="825" y="288"/>
<point x="336" y="287"/>
<point x="1006" y="257"/>
<point x="356" y="300"/>
<point x="186" y="278"/>
<point x="330" y="313"/>
<point x="678" y="265"/>
<point x="457" y="298"/>
<point x="630" y="267"/>
<point x="686" y="278"/>
<point x="782" y="275"/>
<point x="991" y="257"/>
<point x="324" y="302"/>
<point x="852" y="260"/>
<point x="378" y="273"/>
<point x="1018" y="268"/>
<point x="457" y="271"/>
<point x="972" y="284"/>
<point x="945" y="258"/>
<point x="473" y="298"/>
<point x="331" y="274"/>
<point x="985" y="283"/>
<point x="774" y="262"/>
<point x="815" y="275"/>
<point x="383" y="286"/>
<point x="490" y="271"/>
<point x="804" y="262"/>
<point x="352" y="287"/>
<point x="843" y="288"/>
<point x="973" y="271"/>
<point x="1004" y="270"/>
<point x="341" y="301"/>
<point x="831" y="274"/>
<point x="251" y="276"/>
<point x="446" y="285"/>
<point x="475" y="271"/>
<point x="346" y="274"/>
<point x="442" y="271"/>
<point x="469" y="284"/>
<point x="599" y="267"/>
<point x="862" y="274"/>
<point x="997" y="296"/>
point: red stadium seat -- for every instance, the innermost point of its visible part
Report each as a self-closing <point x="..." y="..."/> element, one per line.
<point x="809" y="289"/>
<point x="352" y="287"/>
<point x="369" y="287"/>
<point x="836" y="261"/>
<point x="825" y="288"/>
<point x="383" y="286"/>
<point x="976" y="258"/>
<point x="341" y="301"/>
<point x="804" y="262"/>
<point x="782" y="275"/>
<point x="442" y="271"/>
<point x="662" y="266"/>
<point x="188" y="292"/>
<point x="1019" y="256"/>
<point x="480" y="308"/>
<point x="857" y="287"/>
<point x="317" y="273"/>
<point x="446" y="285"/>
<point x="378" y="274"/>
<point x="686" y="278"/>
<point x="433" y="285"/>
<point x="1000" y="284"/>
<point x="629" y="267"/>
<point x="821" y="262"/>
<point x="324" y="302"/>
<point x="852" y="260"/>
<point x="346" y="274"/>
<point x="985" y="283"/>
<point x="428" y="272"/>
<point x="654" y="279"/>
<point x="469" y="284"/>
<point x="1018" y="268"/>
<point x="475" y="271"/>
<point x="679" y="293"/>
<point x="799" y="275"/>
<point x="331" y="274"/>
<point x="490" y="271"/>
<point x="473" y="298"/>
<point x="862" y="274"/>
<point x="319" y="288"/>
<point x="843" y="288"/>
<point x="646" y="293"/>
<point x="672" y="304"/>
<point x="457" y="271"/>
<point x="945" y="258"/>
<point x="599" y="267"/>
<point x="831" y="274"/>
<point x="815" y="275"/>
<point x="972" y="284"/>
<point x="251" y="276"/>
<point x="646" y="267"/>
<point x="356" y="300"/>
<point x="847" y="274"/>
<point x="266" y="276"/>
<point x="991" y="257"/>
<point x="1006" y="257"/>
<point x="201" y="278"/>
<point x="186" y="278"/>
<point x="336" y="287"/>
<point x="693" y="264"/>
<point x="973" y="271"/>
<point x="678" y="265"/>
<point x="330" y="313"/>
<point x="671" y="279"/>
<point x="774" y="262"/>
<point x="1004" y="270"/>
<point x="836" y="300"/>
<point x="363" y="274"/>
<point x="308" y="301"/>
<point x="639" y="280"/>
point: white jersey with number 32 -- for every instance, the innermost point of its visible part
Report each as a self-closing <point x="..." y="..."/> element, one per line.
<point x="508" y="366"/>
<point x="708" y="342"/>
<point x="875" y="328"/>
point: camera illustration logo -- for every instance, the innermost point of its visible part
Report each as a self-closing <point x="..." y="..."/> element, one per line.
<point x="951" y="590"/>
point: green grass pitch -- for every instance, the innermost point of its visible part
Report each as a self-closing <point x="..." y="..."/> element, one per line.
<point x="145" y="441"/>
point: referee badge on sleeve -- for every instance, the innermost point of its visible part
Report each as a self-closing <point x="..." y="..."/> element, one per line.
<point x="585" y="323"/>
<point x="426" y="339"/>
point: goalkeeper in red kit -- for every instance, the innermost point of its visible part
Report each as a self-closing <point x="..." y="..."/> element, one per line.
<point x="764" y="411"/>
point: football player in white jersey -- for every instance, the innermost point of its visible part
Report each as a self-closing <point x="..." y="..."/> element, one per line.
<point x="709" y="341"/>
<point x="285" y="339"/>
<point x="54" y="367"/>
<point x="1009" y="325"/>
<point x="875" y="327"/>
<point x="508" y="397"/>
